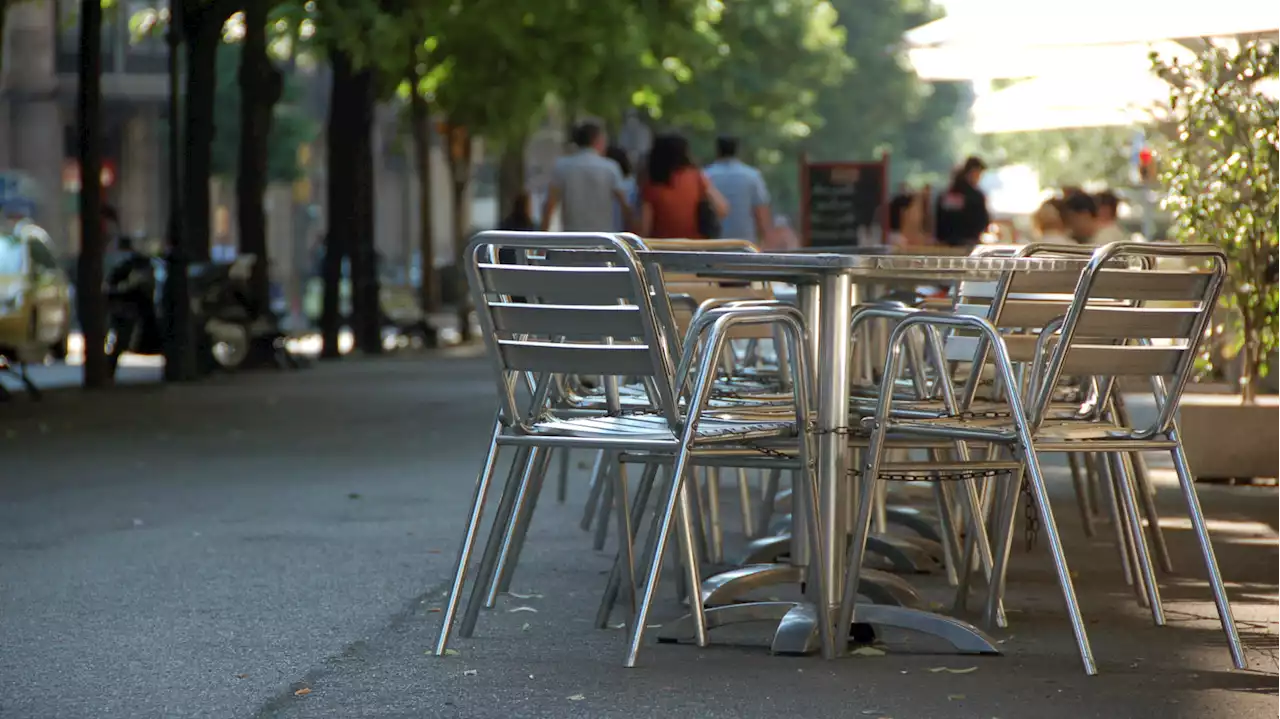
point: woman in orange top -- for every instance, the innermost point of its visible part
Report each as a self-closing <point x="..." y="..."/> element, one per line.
<point x="672" y="188"/>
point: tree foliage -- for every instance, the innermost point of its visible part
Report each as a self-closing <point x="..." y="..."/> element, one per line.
<point x="1069" y="157"/>
<point x="290" y="128"/>
<point x="1220" y="166"/>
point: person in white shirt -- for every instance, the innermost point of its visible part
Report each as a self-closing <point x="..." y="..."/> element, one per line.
<point x="1109" y="229"/>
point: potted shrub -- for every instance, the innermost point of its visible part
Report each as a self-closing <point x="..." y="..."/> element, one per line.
<point x="1218" y="164"/>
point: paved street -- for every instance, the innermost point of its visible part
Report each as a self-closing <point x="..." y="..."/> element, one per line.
<point x="214" y="550"/>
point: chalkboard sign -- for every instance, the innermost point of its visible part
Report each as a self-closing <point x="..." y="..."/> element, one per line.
<point x="843" y="203"/>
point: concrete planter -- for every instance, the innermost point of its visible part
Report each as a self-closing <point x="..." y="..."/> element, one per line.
<point x="1227" y="440"/>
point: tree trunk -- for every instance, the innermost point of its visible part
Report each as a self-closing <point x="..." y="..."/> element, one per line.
<point x="511" y="175"/>
<point x="89" y="270"/>
<point x="420" y="118"/>
<point x="179" y="336"/>
<point x="340" y="200"/>
<point x="365" y="305"/>
<point x="460" y="174"/>
<point x="204" y="33"/>
<point x="261" y="86"/>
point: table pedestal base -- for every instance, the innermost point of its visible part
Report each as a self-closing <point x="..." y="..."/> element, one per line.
<point x="906" y="555"/>
<point x="797" y="629"/>
<point x="726" y="587"/>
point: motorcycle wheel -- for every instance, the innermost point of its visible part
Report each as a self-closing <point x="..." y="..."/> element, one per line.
<point x="230" y="346"/>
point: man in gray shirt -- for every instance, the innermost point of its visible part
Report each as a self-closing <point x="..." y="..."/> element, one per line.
<point x="743" y="187"/>
<point x="587" y="186"/>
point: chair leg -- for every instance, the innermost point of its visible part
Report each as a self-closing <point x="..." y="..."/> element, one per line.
<point x="513" y="541"/>
<point x="1146" y="495"/>
<point x="562" y="481"/>
<point x="663" y="533"/>
<point x="501" y="520"/>
<point x="1187" y="482"/>
<point x="767" y="500"/>
<point x="857" y="551"/>
<point x="468" y="545"/>
<point x="715" y="527"/>
<point x="1117" y="522"/>
<point x="626" y="538"/>
<point x="1080" y="485"/>
<point x="1130" y="505"/>
<point x="606" y="503"/>
<point x="1041" y="494"/>
<point x="593" y="495"/>
<point x="745" y="504"/>
<point x="1006" y="511"/>
<point x="638" y="506"/>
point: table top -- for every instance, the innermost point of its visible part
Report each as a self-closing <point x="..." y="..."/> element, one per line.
<point x="789" y="266"/>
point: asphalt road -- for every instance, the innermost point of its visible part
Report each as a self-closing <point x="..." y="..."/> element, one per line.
<point x="212" y="550"/>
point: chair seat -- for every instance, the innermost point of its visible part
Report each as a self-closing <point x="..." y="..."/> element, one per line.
<point x="1052" y="430"/>
<point x="650" y="427"/>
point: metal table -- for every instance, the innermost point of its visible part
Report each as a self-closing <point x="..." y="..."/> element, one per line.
<point x="827" y="285"/>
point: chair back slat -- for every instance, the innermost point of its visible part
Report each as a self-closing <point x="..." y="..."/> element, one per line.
<point x="562" y="285"/>
<point x="569" y="322"/>
<point x="566" y="305"/>
<point x="1104" y="321"/>
<point x="1131" y="285"/>
<point x="1089" y="360"/>
<point x="576" y="358"/>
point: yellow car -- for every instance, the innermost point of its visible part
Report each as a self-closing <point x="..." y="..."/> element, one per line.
<point x="35" y="297"/>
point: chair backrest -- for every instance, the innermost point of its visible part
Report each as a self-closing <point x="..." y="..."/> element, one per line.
<point x="1096" y="322"/>
<point x="689" y="292"/>
<point x="548" y="320"/>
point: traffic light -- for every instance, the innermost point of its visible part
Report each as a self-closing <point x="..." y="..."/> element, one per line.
<point x="1146" y="165"/>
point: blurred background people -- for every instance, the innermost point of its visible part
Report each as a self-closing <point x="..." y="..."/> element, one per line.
<point x="672" y="189"/>
<point x="743" y="188"/>
<point x="962" y="216"/>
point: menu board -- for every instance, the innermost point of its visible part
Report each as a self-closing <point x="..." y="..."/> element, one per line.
<point x="843" y="203"/>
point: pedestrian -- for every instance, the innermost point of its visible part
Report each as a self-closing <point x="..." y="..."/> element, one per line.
<point x="623" y="210"/>
<point x="1109" y="229"/>
<point x="1080" y="215"/>
<point x="677" y="200"/>
<point x="742" y="186"/>
<point x="962" y="217"/>
<point x="586" y="186"/>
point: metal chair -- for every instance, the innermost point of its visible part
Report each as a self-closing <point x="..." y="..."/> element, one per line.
<point x="607" y="318"/>
<point x="1102" y="332"/>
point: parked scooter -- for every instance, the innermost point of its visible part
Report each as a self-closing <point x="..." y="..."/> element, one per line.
<point x="232" y="330"/>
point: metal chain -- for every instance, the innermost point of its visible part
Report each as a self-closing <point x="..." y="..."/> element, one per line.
<point x="1031" y="517"/>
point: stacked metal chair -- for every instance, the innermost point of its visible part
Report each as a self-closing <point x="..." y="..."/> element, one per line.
<point x="605" y="314"/>
<point x="1102" y="332"/>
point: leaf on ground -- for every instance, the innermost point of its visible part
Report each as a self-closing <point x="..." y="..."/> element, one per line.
<point x="470" y="673"/>
<point x="950" y="670"/>
<point x="513" y="610"/>
<point x="433" y="551"/>
<point x="1002" y="641"/>
<point x="242" y="676"/>
<point x="353" y="495"/>
<point x="576" y="697"/>
<point x="868" y="652"/>
<point x="434" y="610"/>
<point x="302" y="692"/>
<point x="525" y="628"/>
<point x="955" y="697"/>
<point x="451" y="652"/>
<point x="524" y="596"/>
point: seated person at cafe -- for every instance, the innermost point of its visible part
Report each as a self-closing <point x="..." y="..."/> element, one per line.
<point x="1080" y="215"/>
<point x="1048" y="222"/>
<point x="1109" y="229"/>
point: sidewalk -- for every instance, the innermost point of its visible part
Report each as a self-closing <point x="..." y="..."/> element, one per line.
<point x="210" y="550"/>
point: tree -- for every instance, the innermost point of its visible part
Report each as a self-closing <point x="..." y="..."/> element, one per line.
<point x="880" y="105"/>
<point x="202" y="21"/>
<point x="261" y="87"/>
<point x="89" y="270"/>
<point x="1066" y="158"/>
<point x="1220" y="164"/>
<point x="770" y="65"/>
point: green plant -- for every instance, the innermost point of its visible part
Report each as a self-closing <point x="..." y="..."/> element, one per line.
<point x="1219" y="163"/>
